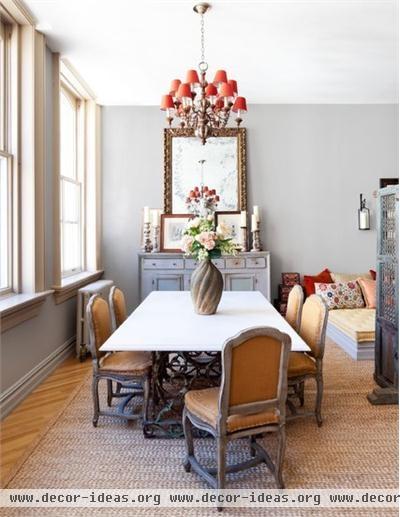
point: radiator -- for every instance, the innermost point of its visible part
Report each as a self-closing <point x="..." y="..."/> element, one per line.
<point x="101" y="287"/>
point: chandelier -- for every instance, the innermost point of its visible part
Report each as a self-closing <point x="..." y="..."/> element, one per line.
<point x="198" y="104"/>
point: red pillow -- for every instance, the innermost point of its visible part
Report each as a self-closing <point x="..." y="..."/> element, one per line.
<point x="373" y="274"/>
<point x="322" y="278"/>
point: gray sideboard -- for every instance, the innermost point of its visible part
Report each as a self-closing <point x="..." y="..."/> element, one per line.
<point x="248" y="271"/>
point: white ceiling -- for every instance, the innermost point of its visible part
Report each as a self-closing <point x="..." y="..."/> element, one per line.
<point x="279" y="51"/>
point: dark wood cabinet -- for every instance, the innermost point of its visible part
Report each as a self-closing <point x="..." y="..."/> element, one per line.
<point x="387" y="311"/>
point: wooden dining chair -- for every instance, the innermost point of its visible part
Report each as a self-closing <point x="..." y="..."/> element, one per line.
<point x="116" y="300"/>
<point x="250" y="401"/>
<point x="127" y="368"/>
<point x="117" y="303"/>
<point x="305" y="365"/>
<point x="294" y="307"/>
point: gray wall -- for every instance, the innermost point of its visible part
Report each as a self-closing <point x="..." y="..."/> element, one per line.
<point x="23" y="347"/>
<point x="307" y="165"/>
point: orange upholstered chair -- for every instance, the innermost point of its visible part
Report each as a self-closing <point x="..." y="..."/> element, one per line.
<point x="131" y="369"/>
<point x="118" y="307"/>
<point x="304" y="365"/>
<point x="250" y="401"/>
<point x="294" y="307"/>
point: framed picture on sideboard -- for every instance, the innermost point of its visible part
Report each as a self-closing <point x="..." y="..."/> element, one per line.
<point x="172" y="228"/>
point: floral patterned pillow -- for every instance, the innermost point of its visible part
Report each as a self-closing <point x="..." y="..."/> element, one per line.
<point x="346" y="295"/>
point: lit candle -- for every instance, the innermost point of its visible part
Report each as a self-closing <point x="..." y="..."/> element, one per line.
<point x="243" y="219"/>
<point x="256" y="212"/>
<point x="253" y="222"/>
<point x="155" y="217"/>
<point x="146" y="217"/>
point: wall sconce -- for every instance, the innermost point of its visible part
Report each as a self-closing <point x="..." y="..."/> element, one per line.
<point x="363" y="215"/>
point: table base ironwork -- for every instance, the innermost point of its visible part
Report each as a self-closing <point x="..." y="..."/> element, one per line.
<point x="173" y="375"/>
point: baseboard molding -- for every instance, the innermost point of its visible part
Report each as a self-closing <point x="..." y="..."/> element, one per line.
<point x="11" y="397"/>
<point x="358" y="351"/>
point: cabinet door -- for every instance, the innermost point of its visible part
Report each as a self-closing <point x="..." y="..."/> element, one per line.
<point x="240" y="282"/>
<point x="165" y="282"/>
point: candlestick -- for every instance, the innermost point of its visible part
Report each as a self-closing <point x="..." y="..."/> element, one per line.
<point x="256" y="240"/>
<point x="147" y="247"/>
<point x="243" y="238"/>
<point x="156" y="245"/>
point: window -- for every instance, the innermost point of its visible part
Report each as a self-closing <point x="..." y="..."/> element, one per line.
<point x="76" y="158"/>
<point x="5" y="164"/>
<point x="72" y="145"/>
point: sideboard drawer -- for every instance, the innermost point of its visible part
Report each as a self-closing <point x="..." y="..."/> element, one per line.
<point x="235" y="263"/>
<point x="220" y="263"/>
<point x="162" y="264"/>
<point x="255" y="262"/>
<point x="192" y="263"/>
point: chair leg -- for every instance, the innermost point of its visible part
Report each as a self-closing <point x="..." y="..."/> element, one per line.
<point x="146" y="399"/>
<point x="188" y="433"/>
<point x="96" y="402"/>
<point x="109" y="392"/>
<point x="320" y="390"/>
<point x="221" y="464"/>
<point x="118" y="389"/>
<point x="252" y="441"/>
<point x="301" y="393"/>
<point x="280" y="457"/>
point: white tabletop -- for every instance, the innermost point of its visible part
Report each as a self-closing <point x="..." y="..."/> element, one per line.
<point x="166" y="321"/>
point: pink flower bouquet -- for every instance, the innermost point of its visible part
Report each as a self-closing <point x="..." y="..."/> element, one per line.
<point x="203" y="241"/>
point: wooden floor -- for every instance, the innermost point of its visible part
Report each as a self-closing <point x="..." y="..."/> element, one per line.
<point x="24" y="424"/>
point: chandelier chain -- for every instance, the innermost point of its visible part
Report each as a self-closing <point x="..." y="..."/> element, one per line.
<point x="202" y="38"/>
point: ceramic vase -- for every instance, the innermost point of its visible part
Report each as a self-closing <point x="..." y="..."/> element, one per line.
<point x="206" y="287"/>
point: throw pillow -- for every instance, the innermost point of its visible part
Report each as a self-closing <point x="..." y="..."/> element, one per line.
<point x="368" y="288"/>
<point x="349" y="277"/>
<point x="309" y="281"/>
<point x="341" y="295"/>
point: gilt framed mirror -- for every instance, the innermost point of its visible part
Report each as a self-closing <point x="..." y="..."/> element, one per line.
<point x="220" y="164"/>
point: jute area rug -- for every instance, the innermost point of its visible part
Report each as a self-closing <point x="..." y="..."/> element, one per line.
<point x="357" y="447"/>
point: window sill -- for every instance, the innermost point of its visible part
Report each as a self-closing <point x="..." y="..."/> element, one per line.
<point x="17" y="308"/>
<point x="70" y="285"/>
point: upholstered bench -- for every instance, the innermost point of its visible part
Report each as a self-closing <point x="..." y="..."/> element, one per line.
<point x="354" y="331"/>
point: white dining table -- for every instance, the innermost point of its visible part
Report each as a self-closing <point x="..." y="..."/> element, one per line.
<point x="166" y="321"/>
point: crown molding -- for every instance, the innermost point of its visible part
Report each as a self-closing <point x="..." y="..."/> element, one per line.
<point x="19" y="12"/>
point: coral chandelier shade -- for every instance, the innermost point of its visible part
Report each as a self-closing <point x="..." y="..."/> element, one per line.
<point x="201" y="105"/>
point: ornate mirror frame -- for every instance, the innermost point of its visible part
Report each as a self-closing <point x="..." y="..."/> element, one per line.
<point x="239" y="133"/>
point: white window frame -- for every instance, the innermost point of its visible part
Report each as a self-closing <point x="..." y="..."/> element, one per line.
<point x="5" y="145"/>
<point x="9" y="287"/>
<point x="65" y="76"/>
<point x="79" y="179"/>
